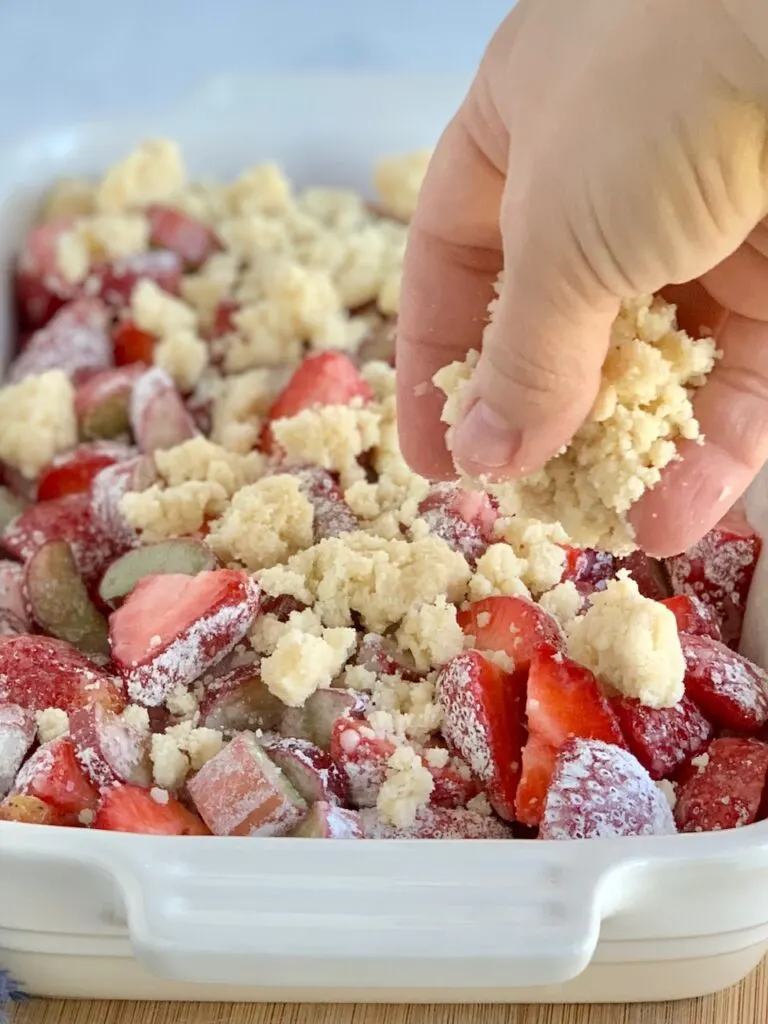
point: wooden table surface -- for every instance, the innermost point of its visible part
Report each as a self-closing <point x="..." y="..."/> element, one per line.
<point x="747" y="1004"/>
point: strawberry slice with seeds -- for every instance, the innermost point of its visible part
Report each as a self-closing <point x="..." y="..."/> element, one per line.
<point x="108" y="489"/>
<point x="102" y="402"/>
<point x="132" y="345"/>
<point x="539" y="759"/>
<point x="463" y="519"/>
<point x="326" y="821"/>
<point x="17" y="734"/>
<point x="240" y="792"/>
<point x="363" y="757"/>
<point x="311" y="771"/>
<point x="75" y="340"/>
<point x="159" y="418"/>
<point x="41" y="290"/>
<point x="731" y="691"/>
<point x="512" y="625"/>
<point x="483" y="723"/>
<point x="719" y="570"/>
<point x="649" y="574"/>
<point x="73" y="472"/>
<point x="438" y="823"/>
<point x="693" y="616"/>
<point x="726" y="789"/>
<point x="172" y="628"/>
<point x="663" y="739"/>
<point x="453" y="784"/>
<point x="239" y="700"/>
<point x="115" y="280"/>
<point x="599" y="791"/>
<point x="191" y="240"/>
<point x="54" y="776"/>
<point x="38" y="672"/>
<point x="109" y="749"/>
<point x="132" y="809"/>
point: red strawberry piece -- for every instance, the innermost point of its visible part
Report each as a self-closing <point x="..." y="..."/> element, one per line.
<point x="115" y="280"/>
<point x="192" y="241"/>
<point x="102" y="401"/>
<point x="12" y="599"/>
<point x="731" y="691"/>
<point x="693" y="616"/>
<point x="649" y="574"/>
<point x="159" y="418"/>
<point x="282" y="606"/>
<point x="327" y="378"/>
<point x="565" y="701"/>
<point x="73" y="472"/>
<point x="240" y="792"/>
<point x="109" y="749"/>
<point x="17" y="734"/>
<point x="30" y="811"/>
<point x="54" y="776"/>
<point x="75" y="340"/>
<point x="588" y="569"/>
<point x="237" y="700"/>
<point x="513" y="625"/>
<point x="381" y="655"/>
<point x="108" y="489"/>
<point x="333" y="517"/>
<point x="38" y="672"/>
<point x="725" y="789"/>
<point x="438" y="823"/>
<point x="539" y="759"/>
<point x="453" y="784"/>
<point x="41" y="289"/>
<point x="719" y="570"/>
<point x="327" y="821"/>
<point x="172" y="628"/>
<point x="131" y="344"/>
<point x="463" y="519"/>
<point x="363" y="757"/>
<point x="311" y="771"/>
<point x="317" y="720"/>
<point x="70" y="519"/>
<point x="132" y="809"/>
<point x="600" y="791"/>
<point x="223" y="322"/>
<point x="483" y="723"/>
<point x="663" y="739"/>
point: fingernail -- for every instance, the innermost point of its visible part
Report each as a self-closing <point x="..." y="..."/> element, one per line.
<point x="485" y="439"/>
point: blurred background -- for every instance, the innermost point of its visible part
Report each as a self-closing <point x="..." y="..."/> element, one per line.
<point x="65" y="59"/>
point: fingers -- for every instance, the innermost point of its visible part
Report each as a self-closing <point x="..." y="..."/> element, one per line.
<point x="733" y="282"/>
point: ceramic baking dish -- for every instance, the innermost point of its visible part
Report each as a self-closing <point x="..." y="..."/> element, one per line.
<point x="104" y="915"/>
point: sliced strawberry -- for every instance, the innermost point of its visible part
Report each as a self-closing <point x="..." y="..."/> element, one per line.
<point x="38" y="672"/>
<point x="311" y="771"/>
<point x="316" y="720"/>
<point x="326" y="821"/>
<point x="719" y="571"/>
<point x="192" y="241"/>
<point x="223" y="322"/>
<point x="731" y="691"/>
<point x="132" y="345"/>
<point x="588" y="569"/>
<point x="109" y="749"/>
<point x="332" y="515"/>
<point x="72" y="472"/>
<point x="726" y="790"/>
<point x="17" y="734"/>
<point x="565" y="701"/>
<point x="693" y="616"/>
<point x="453" y="784"/>
<point x="132" y="809"/>
<point x="41" y="290"/>
<point x="159" y="418"/>
<point x="238" y="700"/>
<point x="53" y="775"/>
<point x="108" y="489"/>
<point x="30" y="811"/>
<point x="513" y="625"/>
<point x="463" y="519"/>
<point x="438" y="823"/>
<point x="600" y="791"/>
<point x="75" y="340"/>
<point x="173" y="627"/>
<point x="240" y="792"/>
<point x="363" y="757"/>
<point x="539" y="759"/>
<point x="381" y="655"/>
<point x="102" y="402"/>
<point x="483" y="723"/>
<point x="115" y="280"/>
<point x="663" y="739"/>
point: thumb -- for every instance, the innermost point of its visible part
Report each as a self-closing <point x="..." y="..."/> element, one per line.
<point x="542" y="354"/>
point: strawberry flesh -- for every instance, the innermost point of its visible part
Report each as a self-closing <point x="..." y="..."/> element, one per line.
<point x="693" y="616"/>
<point x="726" y="790"/>
<point x="132" y="809"/>
<point x="731" y="691"/>
<point x="131" y="344"/>
<point x="512" y="625"/>
<point x="463" y="519"/>
<point x="73" y="472"/>
<point x="75" y="340"/>
<point x="191" y="240"/>
<point x="539" y="759"/>
<point x="54" y="776"/>
<point x="663" y="739"/>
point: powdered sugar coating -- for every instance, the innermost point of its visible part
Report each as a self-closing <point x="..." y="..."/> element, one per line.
<point x="464" y="725"/>
<point x="17" y="734"/>
<point x="75" y="340"/>
<point x="730" y="690"/>
<point x="437" y="823"/>
<point x="107" y="491"/>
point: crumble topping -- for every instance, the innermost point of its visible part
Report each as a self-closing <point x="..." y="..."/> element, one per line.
<point x="37" y="421"/>
<point x="51" y="723"/>
<point x="302" y="663"/>
<point x="406" y="789"/>
<point x="150" y="174"/>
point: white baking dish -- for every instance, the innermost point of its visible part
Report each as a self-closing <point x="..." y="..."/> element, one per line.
<point x="104" y="915"/>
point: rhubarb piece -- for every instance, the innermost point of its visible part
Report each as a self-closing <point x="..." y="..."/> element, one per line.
<point x="438" y="823"/>
<point x="463" y="519"/>
<point x="238" y="700"/>
<point x="311" y="771"/>
<point x="315" y="721"/>
<point x="116" y="279"/>
<point x="109" y="749"/>
<point x="514" y="626"/>
<point x="191" y="240"/>
<point x="102" y="401"/>
<point x="326" y="821"/>
<point x="182" y="555"/>
<point x="159" y="418"/>
<point x="11" y="506"/>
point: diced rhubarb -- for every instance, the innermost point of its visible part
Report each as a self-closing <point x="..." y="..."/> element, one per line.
<point x="191" y="240"/>
<point x="311" y="771"/>
<point x="719" y="571"/>
<point x="73" y="472"/>
<point x="38" y="672"/>
<point x="539" y="759"/>
<point x="179" y="555"/>
<point x="463" y="519"/>
<point x="237" y="700"/>
<point x="12" y="597"/>
<point x="159" y="418"/>
<point x="75" y="340"/>
<point x="109" y="749"/>
<point x="108" y="489"/>
<point x="693" y="616"/>
<point x="600" y="791"/>
<point x="102" y="401"/>
<point x="663" y="739"/>
<point x="453" y="785"/>
<point x="438" y="823"/>
<point x="54" y="776"/>
<point x="588" y="569"/>
<point x="11" y="625"/>
<point x="363" y="757"/>
<point x="172" y="628"/>
<point x="332" y="515"/>
<point x="30" y="811"/>
<point x="41" y="289"/>
<point x="240" y="792"/>
<point x="11" y="505"/>
<point x="483" y="723"/>
<point x="326" y="821"/>
<point x="17" y="734"/>
<point x="315" y="721"/>
<point x="514" y="626"/>
<point x="731" y="691"/>
<point x="132" y="809"/>
<point x="115" y="280"/>
<point x="17" y="485"/>
<point x="725" y="788"/>
<point x="132" y="345"/>
<point x="381" y="655"/>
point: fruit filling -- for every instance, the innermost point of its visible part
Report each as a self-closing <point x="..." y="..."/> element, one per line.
<point x="228" y="607"/>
